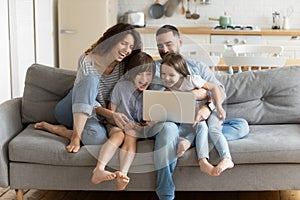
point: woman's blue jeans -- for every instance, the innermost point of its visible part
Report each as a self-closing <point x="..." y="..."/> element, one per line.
<point x="82" y="99"/>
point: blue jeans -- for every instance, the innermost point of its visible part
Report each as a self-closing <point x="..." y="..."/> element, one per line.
<point x="82" y="98"/>
<point x="233" y="129"/>
<point x="216" y="136"/>
<point x="165" y="159"/>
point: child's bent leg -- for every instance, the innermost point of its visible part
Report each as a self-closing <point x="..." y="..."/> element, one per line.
<point x="127" y="155"/>
<point x="187" y="136"/>
<point x="106" y="153"/>
<point x="183" y="146"/>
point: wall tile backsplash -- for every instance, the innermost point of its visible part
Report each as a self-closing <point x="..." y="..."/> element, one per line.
<point x="242" y="12"/>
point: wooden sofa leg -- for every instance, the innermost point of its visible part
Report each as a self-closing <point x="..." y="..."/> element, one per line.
<point x="20" y="194"/>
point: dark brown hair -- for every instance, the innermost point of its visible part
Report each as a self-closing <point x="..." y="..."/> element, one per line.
<point x="139" y="62"/>
<point x="113" y="35"/>
<point x="176" y="61"/>
<point x="168" y="28"/>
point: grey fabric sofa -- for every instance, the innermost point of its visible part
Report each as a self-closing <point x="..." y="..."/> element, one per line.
<point x="267" y="159"/>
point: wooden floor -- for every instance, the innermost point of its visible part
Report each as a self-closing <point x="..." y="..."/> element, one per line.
<point x="8" y="194"/>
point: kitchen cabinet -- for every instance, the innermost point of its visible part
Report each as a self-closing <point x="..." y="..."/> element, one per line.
<point x="291" y="45"/>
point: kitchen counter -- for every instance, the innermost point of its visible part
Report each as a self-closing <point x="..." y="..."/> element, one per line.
<point x="209" y="30"/>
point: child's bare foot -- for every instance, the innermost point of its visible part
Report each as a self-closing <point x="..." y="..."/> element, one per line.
<point x="183" y="146"/>
<point x="74" y="145"/>
<point x="55" y="129"/>
<point x="207" y="168"/>
<point x="102" y="175"/>
<point x="122" y="180"/>
<point x="226" y="163"/>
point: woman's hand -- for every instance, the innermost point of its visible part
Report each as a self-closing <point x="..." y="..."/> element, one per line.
<point x="120" y="119"/>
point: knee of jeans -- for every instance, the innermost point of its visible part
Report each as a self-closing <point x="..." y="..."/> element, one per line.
<point x="201" y="126"/>
<point x="244" y="128"/>
<point x="94" y="133"/>
<point x="93" y="137"/>
<point x="170" y="130"/>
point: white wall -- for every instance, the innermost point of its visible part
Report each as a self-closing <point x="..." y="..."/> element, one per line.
<point x="254" y="12"/>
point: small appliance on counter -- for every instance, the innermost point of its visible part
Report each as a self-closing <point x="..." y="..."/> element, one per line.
<point x="276" y="20"/>
<point x="135" y="18"/>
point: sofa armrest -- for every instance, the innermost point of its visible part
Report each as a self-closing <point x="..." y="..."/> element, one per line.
<point x="10" y="126"/>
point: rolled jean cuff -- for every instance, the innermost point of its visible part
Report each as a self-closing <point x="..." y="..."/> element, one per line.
<point x="82" y="108"/>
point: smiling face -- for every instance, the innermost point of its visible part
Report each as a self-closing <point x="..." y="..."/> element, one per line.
<point x="170" y="76"/>
<point x="168" y="43"/>
<point x="123" y="48"/>
<point x="142" y="80"/>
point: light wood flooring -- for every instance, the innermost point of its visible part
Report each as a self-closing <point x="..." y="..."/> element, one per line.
<point x="8" y="194"/>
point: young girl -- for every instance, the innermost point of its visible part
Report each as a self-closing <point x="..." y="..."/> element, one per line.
<point x="127" y="98"/>
<point x="176" y="76"/>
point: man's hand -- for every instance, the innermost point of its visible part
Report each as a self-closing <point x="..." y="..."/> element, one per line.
<point x="202" y="114"/>
<point x="200" y="94"/>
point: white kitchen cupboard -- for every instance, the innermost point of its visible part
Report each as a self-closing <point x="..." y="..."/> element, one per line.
<point x="80" y="24"/>
<point x="291" y="45"/>
<point x="5" y="86"/>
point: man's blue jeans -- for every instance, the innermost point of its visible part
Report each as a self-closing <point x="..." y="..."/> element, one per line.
<point x="165" y="163"/>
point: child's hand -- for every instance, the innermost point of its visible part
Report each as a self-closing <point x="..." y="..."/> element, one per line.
<point x="120" y="119"/>
<point x="221" y="113"/>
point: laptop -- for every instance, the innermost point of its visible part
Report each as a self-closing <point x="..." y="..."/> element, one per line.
<point x="172" y="106"/>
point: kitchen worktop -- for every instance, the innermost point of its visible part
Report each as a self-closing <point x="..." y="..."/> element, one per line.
<point x="209" y="30"/>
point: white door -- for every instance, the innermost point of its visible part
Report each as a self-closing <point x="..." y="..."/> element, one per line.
<point x="80" y="24"/>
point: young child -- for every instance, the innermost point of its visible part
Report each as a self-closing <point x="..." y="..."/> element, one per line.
<point x="175" y="75"/>
<point x="126" y="97"/>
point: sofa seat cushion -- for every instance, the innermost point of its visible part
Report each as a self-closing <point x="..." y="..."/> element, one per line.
<point x="264" y="144"/>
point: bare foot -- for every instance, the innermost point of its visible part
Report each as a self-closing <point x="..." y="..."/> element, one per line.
<point x="74" y="145"/>
<point x="102" y="175"/>
<point x="207" y="168"/>
<point x="183" y="146"/>
<point x="55" y="129"/>
<point x="226" y="163"/>
<point x="122" y="180"/>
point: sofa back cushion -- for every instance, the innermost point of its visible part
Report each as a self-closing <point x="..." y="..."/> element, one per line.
<point x="264" y="97"/>
<point x="44" y="87"/>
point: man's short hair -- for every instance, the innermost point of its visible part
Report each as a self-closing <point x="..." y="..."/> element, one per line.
<point x="166" y="29"/>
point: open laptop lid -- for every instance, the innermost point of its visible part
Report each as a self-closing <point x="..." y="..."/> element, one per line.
<point x="173" y="106"/>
